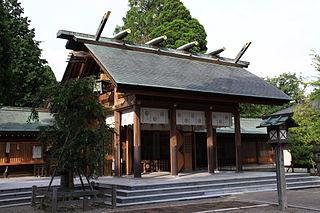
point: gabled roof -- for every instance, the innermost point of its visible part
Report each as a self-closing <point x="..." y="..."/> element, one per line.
<point x="157" y="68"/>
<point x="14" y="119"/>
<point x="152" y="70"/>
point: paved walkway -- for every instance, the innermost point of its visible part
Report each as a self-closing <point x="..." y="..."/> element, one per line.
<point x="166" y="178"/>
<point x="302" y="198"/>
<point x="147" y="179"/>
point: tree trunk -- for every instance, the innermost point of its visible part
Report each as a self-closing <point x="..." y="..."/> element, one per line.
<point x="67" y="179"/>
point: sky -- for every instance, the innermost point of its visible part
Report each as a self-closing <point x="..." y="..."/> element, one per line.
<point x="283" y="32"/>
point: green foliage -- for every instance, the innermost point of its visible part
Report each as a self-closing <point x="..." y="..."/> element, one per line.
<point x="315" y="95"/>
<point x="259" y="110"/>
<point x="149" y="19"/>
<point x="79" y="135"/>
<point x="140" y="18"/>
<point x="290" y="84"/>
<point x="305" y="136"/>
<point x="22" y="71"/>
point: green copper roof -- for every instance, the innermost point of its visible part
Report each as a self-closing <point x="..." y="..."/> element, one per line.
<point x="15" y="119"/>
<point x="274" y="121"/>
<point x="247" y="126"/>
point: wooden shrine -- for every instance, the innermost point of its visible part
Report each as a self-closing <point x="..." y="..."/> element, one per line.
<point x="159" y="97"/>
<point x="20" y="152"/>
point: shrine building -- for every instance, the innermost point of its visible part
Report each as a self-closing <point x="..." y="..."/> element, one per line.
<point x="166" y="104"/>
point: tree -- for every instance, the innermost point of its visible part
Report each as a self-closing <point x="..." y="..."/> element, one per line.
<point x="305" y="136"/>
<point x="307" y="115"/>
<point x="79" y="135"/>
<point x="149" y="19"/>
<point x="22" y="70"/>
<point x="315" y="95"/>
<point x="140" y="18"/>
<point x="290" y="84"/>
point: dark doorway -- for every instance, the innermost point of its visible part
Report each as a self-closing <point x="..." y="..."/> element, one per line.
<point x="155" y="150"/>
<point x="201" y="160"/>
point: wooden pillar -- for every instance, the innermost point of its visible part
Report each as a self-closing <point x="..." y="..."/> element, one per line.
<point x="136" y="143"/>
<point x="237" y="141"/>
<point x="215" y="148"/>
<point x="281" y="178"/>
<point x="117" y="151"/>
<point x="173" y="143"/>
<point x="128" y="150"/>
<point x="210" y="143"/>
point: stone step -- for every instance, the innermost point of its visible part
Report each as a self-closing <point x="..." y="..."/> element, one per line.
<point x="208" y="195"/>
<point x="124" y="192"/>
<point x="247" y="188"/>
<point x="17" y="200"/>
<point x="201" y="182"/>
<point x="16" y="204"/>
<point x="14" y="194"/>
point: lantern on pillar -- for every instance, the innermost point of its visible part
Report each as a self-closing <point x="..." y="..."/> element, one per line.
<point x="277" y="128"/>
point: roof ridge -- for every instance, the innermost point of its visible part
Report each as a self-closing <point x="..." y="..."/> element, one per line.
<point x="83" y="37"/>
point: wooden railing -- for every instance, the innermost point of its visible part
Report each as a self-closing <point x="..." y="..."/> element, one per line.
<point x="155" y="165"/>
<point x="55" y="198"/>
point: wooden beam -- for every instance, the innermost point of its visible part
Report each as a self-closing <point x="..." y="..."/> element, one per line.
<point x="121" y="35"/>
<point x="173" y="143"/>
<point x="101" y="25"/>
<point x="238" y="153"/>
<point x="157" y="40"/>
<point x="136" y="142"/>
<point x="188" y="46"/>
<point x="242" y="51"/>
<point x="197" y="96"/>
<point x="117" y="151"/>
<point x="216" y="52"/>
<point x="210" y="143"/>
<point x="185" y="104"/>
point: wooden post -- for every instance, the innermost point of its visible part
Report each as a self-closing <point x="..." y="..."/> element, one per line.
<point x="210" y="143"/>
<point x="54" y="203"/>
<point x="173" y="143"/>
<point x="114" y="196"/>
<point x="117" y="127"/>
<point x="215" y="148"/>
<point x="34" y="196"/>
<point x="237" y="141"/>
<point x="136" y="142"/>
<point x="85" y="203"/>
<point x="128" y="151"/>
<point x="281" y="178"/>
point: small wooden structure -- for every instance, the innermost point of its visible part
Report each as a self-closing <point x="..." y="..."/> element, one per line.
<point x="20" y="152"/>
<point x="159" y="97"/>
<point x="57" y="197"/>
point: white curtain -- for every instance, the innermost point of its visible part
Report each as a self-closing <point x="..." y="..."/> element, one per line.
<point x="188" y="117"/>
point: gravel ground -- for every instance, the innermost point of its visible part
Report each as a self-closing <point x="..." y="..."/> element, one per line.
<point x="222" y="204"/>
